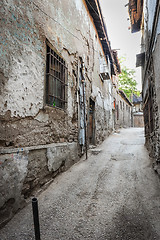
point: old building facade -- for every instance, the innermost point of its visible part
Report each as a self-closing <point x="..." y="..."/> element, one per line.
<point x="138" y="119"/>
<point x="125" y="111"/>
<point x="144" y="16"/>
<point x="56" y="84"/>
<point x="122" y="106"/>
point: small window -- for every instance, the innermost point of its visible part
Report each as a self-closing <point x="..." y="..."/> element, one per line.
<point x="56" y="78"/>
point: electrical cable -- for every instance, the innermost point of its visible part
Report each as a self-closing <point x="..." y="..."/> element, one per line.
<point x="63" y="27"/>
<point x="66" y="28"/>
<point x="56" y="21"/>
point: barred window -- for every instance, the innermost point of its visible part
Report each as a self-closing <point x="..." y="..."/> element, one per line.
<point x="56" y="78"/>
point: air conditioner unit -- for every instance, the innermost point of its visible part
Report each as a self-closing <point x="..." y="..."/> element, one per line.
<point x="104" y="72"/>
<point x="104" y="69"/>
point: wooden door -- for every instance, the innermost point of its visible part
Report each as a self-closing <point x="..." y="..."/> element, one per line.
<point x="91" y="129"/>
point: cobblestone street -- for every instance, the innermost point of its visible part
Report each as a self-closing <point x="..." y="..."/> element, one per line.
<point x="115" y="194"/>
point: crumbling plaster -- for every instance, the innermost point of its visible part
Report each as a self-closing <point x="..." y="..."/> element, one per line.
<point x="26" y="122"/>
<point x="21" y="48"/>
<point x="23" y="169"/>
<point x="23" y="67"/>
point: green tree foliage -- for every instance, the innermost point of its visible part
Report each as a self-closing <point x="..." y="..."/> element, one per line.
<point x="127" y="83"/>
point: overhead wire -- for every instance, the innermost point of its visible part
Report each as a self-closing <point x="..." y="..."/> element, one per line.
<point x="66" y="28"/>
<point x="63" y="27"/>
<point x="55" y="21"/>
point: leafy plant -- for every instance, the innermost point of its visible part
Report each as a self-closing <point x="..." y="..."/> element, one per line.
<point x="127" y="82"/>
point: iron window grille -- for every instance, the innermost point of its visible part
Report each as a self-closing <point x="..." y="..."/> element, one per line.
<point x="56" y="78"/>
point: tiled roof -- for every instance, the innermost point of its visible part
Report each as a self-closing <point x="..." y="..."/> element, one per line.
<point x="137" y="99"/>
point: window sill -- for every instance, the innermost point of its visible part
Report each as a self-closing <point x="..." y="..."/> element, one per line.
<point x="50" y="108"/>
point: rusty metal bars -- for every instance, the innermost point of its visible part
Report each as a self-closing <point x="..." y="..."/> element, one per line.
<point x="56" y="76"/>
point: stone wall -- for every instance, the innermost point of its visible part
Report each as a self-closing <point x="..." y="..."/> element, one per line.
<point x="151" y="87"/>
<point x="154" y="139"/>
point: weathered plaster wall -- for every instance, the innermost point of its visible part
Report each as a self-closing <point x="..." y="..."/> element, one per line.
<point x="25" y="120"/>
<point x="138" y="120"/>
<point x="151" y="4"/>
<point x="103" y="109"/>
<point x="127" y="115"/>
<point x="21" y="49"/>
<point x="124" y="113"/>
<point x="114" y="101"/>
<point x="24" y="117"/>
<point x="24" y="169"/>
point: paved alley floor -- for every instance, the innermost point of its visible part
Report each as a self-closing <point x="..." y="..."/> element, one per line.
<point x="115" y="194"/>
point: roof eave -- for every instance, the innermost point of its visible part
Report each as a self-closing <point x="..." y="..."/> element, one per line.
<point x="135" y="9"/>
<point x="96" y="14"/>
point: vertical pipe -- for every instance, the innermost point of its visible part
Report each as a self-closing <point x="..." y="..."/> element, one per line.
<point x="36" y="218"/>
<point x="83" y="83"/>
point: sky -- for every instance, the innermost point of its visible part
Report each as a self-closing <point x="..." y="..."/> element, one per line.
<point x="115" y="16"/>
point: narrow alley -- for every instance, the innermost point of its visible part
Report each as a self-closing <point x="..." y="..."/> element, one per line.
<point x="115" y="194"/>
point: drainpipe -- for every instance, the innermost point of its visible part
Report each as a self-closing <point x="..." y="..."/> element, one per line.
<point x="84" y="102"/>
